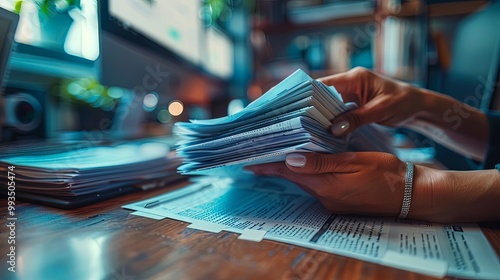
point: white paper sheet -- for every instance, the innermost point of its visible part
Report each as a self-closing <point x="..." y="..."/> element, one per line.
<point x="278" y="210"/>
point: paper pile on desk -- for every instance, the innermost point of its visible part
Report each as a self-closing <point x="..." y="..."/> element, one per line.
<point x="295" y="115"/>
<point x="84" y="169"/>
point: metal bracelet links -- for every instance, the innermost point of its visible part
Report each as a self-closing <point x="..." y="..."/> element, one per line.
<point x="405" y="208"/>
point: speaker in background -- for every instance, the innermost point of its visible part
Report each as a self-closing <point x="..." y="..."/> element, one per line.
<point x="23" y="114"/>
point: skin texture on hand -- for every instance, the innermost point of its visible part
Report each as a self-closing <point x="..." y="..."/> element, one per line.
<point x="363" y="183"/>
<point x="464" y="196"/>
<point x="380" y="99"/>
<point x="372" y="183"/>
<point x="389" y="102"/>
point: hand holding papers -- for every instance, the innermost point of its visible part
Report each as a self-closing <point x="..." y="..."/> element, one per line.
<point x="295" y="115"/>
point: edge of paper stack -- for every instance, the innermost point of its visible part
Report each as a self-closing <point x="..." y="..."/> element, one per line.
<point x="293" y="116"/>
<point x="60" y="170"/>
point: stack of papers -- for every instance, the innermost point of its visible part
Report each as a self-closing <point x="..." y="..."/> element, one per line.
<point x="76" y="170"/>
<point x="293" y="116"/>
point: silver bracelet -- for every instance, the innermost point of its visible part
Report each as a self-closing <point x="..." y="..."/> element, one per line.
<point x="405" y="208"/>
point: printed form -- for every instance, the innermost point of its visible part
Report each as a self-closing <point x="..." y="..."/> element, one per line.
<point x="275" y="209"/>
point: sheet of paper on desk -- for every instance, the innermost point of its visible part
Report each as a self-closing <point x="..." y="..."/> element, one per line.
<point x="278" y="210"/>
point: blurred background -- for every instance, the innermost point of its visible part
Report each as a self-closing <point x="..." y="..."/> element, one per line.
<point x="128" y="69"/>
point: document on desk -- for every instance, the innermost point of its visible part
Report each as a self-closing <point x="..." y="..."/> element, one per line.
<point x="275" y="209"/>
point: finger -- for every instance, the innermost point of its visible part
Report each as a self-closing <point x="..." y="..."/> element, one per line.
<point x="317" y="163"/>
<point x="350" y="121"/>
<point x="349" y="84"/>
<point x="269" y="169"/>
<point x="375" y="111"/>
<point x="279" y="169"/>
<point x="343" y="82"/>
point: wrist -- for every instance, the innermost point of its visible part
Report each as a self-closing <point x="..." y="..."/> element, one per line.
<point x="455" y="196"/>
<point x="472" y="196"/>
<point x="432" y="103"/>
<point x="428" y="187"/>
<point x="455" y="125"/>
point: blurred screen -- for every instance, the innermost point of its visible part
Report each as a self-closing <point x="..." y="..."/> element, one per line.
<point x="219" y="56"/>
<point x="73" y="31"/>
<point x="173" y="24"/>
<point x="8" y="23"/>
<point x="4" y="28"/>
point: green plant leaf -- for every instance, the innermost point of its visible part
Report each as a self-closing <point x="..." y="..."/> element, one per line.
<point x="17" y="7"/>
<point x="45" y="7"/>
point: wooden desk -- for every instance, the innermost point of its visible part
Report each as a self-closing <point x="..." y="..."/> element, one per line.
<point x="103" y="241"/>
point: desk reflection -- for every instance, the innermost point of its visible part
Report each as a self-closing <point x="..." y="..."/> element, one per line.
<point x="81" y="255"/>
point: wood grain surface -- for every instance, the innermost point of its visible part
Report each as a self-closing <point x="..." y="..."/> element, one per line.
<point x="104" y="241"/>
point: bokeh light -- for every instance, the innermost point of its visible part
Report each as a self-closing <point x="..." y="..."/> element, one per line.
<point x="150" y="101"/>
<point x="175" y="108"/>
<point x="164" y="116"/>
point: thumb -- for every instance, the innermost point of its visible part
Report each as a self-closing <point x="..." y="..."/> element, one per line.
<point x="349" y="121"/>
<point x="374" y="111"/>
<point x="317" y="163"/>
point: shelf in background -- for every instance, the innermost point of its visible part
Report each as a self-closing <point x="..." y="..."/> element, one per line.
<point x="415" y="8"/>
<point x="395" y="22"/>
<point x="287" y="27"/>
<point x="407" y="9"/>
<point x="455" y="8"/>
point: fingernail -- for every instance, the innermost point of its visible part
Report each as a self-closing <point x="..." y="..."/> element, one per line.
<point x="340" y="127"/>
<point x="351" y="106"/>
<point x="296" y="160"/>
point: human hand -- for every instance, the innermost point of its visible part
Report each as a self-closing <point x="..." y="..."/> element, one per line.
<point x="372" y="183"/>
<point x="385" y="101"/>
<point x="349" y="183"/>
<point x="380" y="100"/>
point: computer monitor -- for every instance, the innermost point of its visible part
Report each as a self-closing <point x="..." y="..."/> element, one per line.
<point x="173" y="29"/>
<point x="40" y="64"/>
<point x="8" y="25"/>
<point x="60" y="44"/>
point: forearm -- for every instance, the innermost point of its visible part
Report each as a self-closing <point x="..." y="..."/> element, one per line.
<point x="456" y="196"/>
<point x="453" y="124"/>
